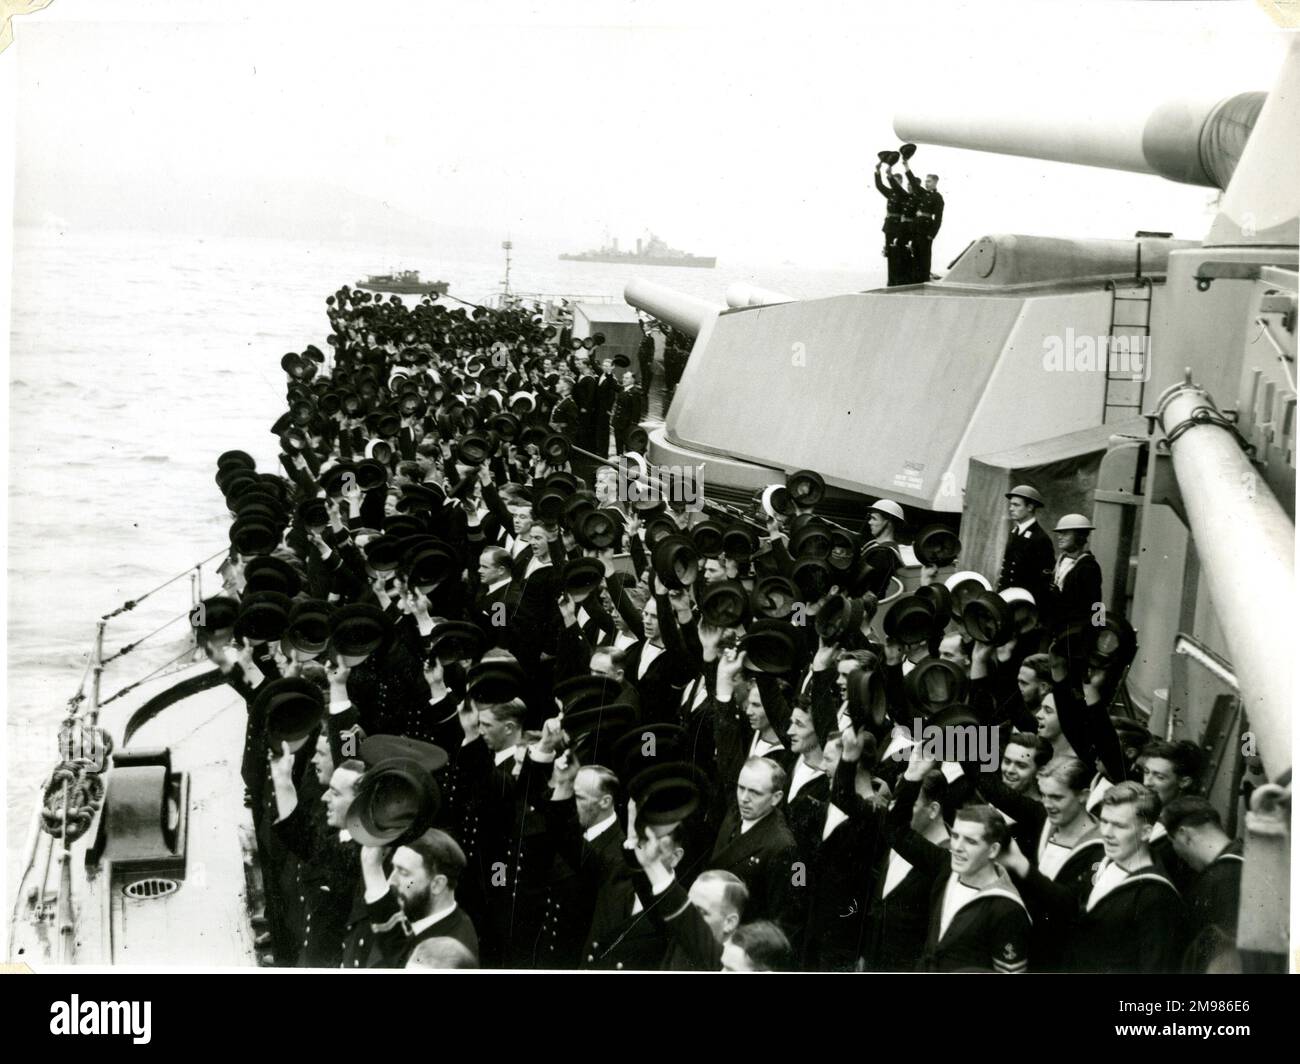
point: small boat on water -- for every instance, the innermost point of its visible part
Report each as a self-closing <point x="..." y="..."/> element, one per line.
<point x="403" y="282"/>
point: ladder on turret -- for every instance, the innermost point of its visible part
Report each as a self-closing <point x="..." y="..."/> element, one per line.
<point x="1127" y="349"/>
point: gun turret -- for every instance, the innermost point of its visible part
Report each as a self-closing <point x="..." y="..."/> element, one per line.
<point x="741" y="294"/>
<point x="1195" y="142"/>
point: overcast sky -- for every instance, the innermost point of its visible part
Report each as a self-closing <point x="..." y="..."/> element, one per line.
<point x="746" y="130"/>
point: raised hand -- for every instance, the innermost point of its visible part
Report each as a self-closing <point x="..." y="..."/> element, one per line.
<point x="552" y="736"/>
<point x="647" y="850"/>
<point x="851" y="744"/>
<point x="338" y="678"/>
<point x="281" y="766"/>
<point x="1013" y="859"/>
<point x="825" y="655"/>
<point x="917" y="764"/>
<point x="633" y="829"/>
<point x="563" y="773"/>
<point x="419" y="604"/>
<point x="468" y="717"/>
<point x="730" y="664"/>
<point x="568" y="610"/>
<point x="709" y="637"/>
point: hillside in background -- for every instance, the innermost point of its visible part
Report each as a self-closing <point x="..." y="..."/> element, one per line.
<point x="302" y="210"/>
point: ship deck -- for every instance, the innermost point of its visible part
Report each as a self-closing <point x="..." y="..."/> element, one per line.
<point x="205" y="922"/>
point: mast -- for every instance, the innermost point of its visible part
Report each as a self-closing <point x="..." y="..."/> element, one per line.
<point x="507" y="246"/>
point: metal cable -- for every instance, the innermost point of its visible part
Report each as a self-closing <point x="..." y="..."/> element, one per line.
<point x="1207" y="415"/>
<point x="131" y="604"/>
<point x="148" y="676"/>
<point x="131" y="646"/>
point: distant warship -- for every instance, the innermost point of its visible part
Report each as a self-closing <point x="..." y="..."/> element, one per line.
<point x="652" y="252"/>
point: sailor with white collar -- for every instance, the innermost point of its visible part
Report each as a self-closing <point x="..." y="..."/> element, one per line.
<point x="1132" y="918"/>
<point x="978" y="921"/>
<point x="1062" y="853"/>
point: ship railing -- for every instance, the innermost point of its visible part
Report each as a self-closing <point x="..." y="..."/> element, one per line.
<point x="83" y="747"/>
<point x="500" y="298"/>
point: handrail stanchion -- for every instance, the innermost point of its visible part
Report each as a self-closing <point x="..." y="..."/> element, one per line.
<point x="63" y="909"/>
<point x="98" y="661"/>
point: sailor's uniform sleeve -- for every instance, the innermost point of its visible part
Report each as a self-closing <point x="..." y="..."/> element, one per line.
<point x="1011" y="941"/>
<point x="1161" y="928"/>
<point x="687" y="927"/>
<point x="391" y="927"/>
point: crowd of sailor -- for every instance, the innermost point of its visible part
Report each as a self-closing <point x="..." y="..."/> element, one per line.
<point x="508" y="708"/>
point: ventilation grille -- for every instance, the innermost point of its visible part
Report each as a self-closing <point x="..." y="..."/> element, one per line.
<point x="154" y="887"/>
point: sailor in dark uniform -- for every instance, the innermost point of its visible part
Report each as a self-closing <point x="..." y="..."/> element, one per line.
<point x="1076" y="578"/>
<point x="896" y="251"/>
<point x="880" y="557"/>
<point x="755" y="843"/>
<point x="645" y="357"/>
<point x="1170" y="770"/>
<point x="927" y="216"/>
<point x="566" y="417"/>
<point x="626" y="934"/>
<point x="1061" y="856"/>
<point x="317" y="833"/>
<point x="417" y="902"/>
<point x="841" y="841"/>
<point x="286" y="707"/>
<point x="629" y="408"/>
<point x="492" y="608"/>
<point x="978" y="921"/>
<point x="1214" y="894"/>
<point x="498" y="798"/>
<point x="607" y="392"/>
<point x="584" y="394"/>
<point x="384" y="681"/>
<point x="1029" y="558"/>
<point x="1130" y="918"/>
<point x="584" y="827"/>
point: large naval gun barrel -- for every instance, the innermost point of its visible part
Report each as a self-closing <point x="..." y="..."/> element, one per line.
<point x="1246" y="546"/>
<point x="1195" y="142"/>
<point x="681" y="311"/>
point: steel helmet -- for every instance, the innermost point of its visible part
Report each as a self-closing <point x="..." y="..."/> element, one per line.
<point x="1074" y="523"/>
<point x="890" y="509"/>
<point x="1027" y="492"/>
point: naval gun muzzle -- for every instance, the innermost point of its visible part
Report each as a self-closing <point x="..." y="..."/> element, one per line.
<point x="1194" y="142"/>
